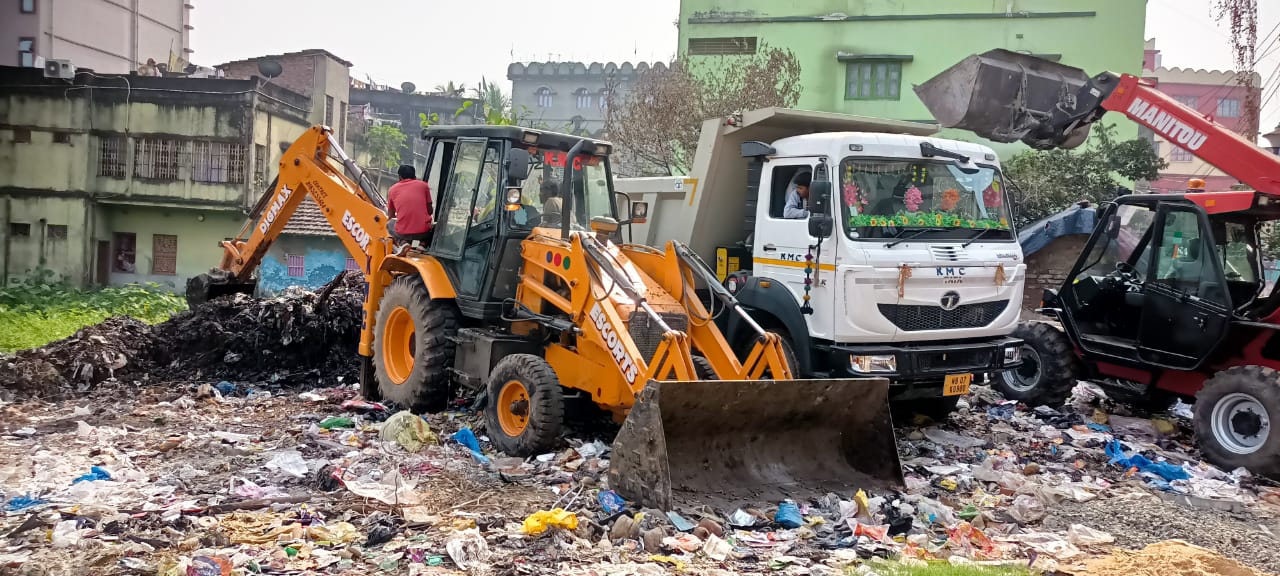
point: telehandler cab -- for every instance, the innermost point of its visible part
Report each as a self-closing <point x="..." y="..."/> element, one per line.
<point x="533" y="303"/>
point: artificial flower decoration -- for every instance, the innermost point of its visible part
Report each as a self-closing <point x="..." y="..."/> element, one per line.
<point x="950" y="198"/>
<point x="913" y="199"/>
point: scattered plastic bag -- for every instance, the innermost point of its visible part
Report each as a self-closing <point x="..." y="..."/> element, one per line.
<point x="209" y="566"/>
<point x="337" y="533"/>
<point x="683" y="543"/>
<point x="716" y="548"/>
<point x="742" y="519"/>
<point x="290" y="462"/>
<point x="788" y="515"/>
<point x="408" y="430"/>
<point x="941" y="436"/>
<point x="544" y="520"/>
<point x="467" y="549"/>
<point x="337" y="422"/>
<point x="65" y="534"/>
<point x="1164" y="470"/>
<point x="1182" y="410"/>
<point x="95" y="473"/>
<point x="363" y="406"/>
<point x="468" y="439"/>
<point x="1082" y="535"/>
<point x="19" y="503"/>
<point x="611" y="502"/>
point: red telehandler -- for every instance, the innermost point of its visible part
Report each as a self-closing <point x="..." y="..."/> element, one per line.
<point x="1168" y="298"/>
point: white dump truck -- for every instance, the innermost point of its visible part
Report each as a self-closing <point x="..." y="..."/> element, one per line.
<point x="902" y="262"/>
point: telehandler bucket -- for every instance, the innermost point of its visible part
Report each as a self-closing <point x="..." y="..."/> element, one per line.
<point x="725" y="443"/>
<point x="1004" y="96"/>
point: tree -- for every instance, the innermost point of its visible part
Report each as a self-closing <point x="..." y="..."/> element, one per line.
<point x="659" y="121"/>
<point x="1242" y="16"/>
<point x="492" y="96"/>
<point x="451" y="89"/>
<point x="1051" y="180"/>
<point x="384" y="143"/>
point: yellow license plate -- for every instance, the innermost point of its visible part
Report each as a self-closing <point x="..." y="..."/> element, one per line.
<point x="956" y="384"/>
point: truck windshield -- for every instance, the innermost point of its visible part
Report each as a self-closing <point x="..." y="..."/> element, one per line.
<point x="886" y="198"/>
<point x="541" y="191"/>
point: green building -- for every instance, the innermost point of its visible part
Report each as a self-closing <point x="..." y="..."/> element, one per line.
<point x="864" y="56"/>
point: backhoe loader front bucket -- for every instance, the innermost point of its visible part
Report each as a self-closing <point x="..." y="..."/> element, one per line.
<point x="728" y="443"/>
<point x="1004" y="96"/>
<point x="205" y="287"/>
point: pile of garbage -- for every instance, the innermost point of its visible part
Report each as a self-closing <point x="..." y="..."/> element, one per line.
<point x="298" y="338"/>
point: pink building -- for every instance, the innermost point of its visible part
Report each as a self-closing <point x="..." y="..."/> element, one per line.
<point x="1216" y="94"/>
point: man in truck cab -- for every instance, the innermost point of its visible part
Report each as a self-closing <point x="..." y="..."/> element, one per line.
<point x="409" y="202"/>
<point x="797" y="197"/>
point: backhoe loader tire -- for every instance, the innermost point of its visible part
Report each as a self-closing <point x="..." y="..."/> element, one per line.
<point x="413" y="346"/>
<point x="1236" y="417"/>
<point x="702" y="368"/>
<point x="525" y="411"/>
<point x="1048" y="371"/>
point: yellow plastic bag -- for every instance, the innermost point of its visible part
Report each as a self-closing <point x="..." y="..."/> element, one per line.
<point x="407" y="430"/>
<point x="542" y="520"/>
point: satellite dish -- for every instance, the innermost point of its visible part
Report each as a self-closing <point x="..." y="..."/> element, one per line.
<point x="269" y="68"/>
<point x="408" y="87"/>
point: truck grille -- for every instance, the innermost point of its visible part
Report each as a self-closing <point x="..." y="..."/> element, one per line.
<point x="914" y="318"/>
<point x="953" y="360"/>
<point x="647" y="334"/>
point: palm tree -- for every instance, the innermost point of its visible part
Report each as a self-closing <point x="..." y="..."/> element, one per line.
<point x="492" y="96"/>
<point x="451" y="89"/>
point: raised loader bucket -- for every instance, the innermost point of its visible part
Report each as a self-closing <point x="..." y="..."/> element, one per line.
<point x="1003" y="96"/>
<point x="205" y="287"/>
<point x="730" y="443"/>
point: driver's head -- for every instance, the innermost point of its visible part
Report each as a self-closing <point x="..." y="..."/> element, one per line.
<point x="549" y="189"/>
<point x="802" y="185"/>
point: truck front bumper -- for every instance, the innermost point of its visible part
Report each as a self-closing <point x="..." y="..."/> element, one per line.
<point x="918" y="370"/>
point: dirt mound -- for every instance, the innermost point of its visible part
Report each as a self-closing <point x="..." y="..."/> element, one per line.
<point x="1166" y="558"/>
<point x="298" y="338"/>
<point x="116" y="348"/>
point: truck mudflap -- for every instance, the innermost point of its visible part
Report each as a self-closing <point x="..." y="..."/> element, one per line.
<point x="723" y="443"/>
<point x="1005" y="96"/>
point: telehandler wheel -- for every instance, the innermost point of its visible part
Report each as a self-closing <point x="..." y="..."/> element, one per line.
<point x="1234" y="417"/>
<point x="1048" y="370"/>
<point x="413" y="346"/>
<point x="787" y="351"/>
<point x="525" y="411"/>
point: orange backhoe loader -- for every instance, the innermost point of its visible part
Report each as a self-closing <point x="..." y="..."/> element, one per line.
<point x="533" y="305"/>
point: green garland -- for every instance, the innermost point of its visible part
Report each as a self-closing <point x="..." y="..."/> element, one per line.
<point x="926" y="219"/>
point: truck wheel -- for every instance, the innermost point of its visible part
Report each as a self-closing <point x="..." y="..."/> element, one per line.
<point x="1233" y="416"/>
<point x="525" y="411"/>
<point x="1048" y="370"/>
<point x="413" y="346"/>
<point x="702" y="367"/>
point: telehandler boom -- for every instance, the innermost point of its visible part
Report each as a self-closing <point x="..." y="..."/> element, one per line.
<point x="535" y="307"/>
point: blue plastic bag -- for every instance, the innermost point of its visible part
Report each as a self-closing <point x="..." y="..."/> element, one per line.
<point x="22" y="503"/>
<point x="95" y="473"/>
<point x="1164" y="470"/>
<point x="788" y="515"/>
<point x="611" y="502"/>
<point x="468" y="439"/>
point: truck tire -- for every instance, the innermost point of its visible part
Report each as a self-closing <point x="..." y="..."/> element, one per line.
<point x="1233" y="416"/>
<point x="1048" y="371"/>
<point x="702" y="367"/>
<point x="413" y="346"/>
<point x="525" y="411"/>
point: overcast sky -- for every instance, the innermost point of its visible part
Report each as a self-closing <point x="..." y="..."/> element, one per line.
<point x="430" y="42"/>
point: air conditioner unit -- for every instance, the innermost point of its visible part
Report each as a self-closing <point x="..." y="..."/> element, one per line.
<point x="58" y="68"/>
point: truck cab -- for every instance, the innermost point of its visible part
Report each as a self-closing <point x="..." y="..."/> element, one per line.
<point x="919" y="276"/>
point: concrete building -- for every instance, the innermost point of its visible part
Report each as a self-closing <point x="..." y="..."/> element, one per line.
<point x="316" y="74"/>
<point x="863" y="56"/>
<point x="107" y="36"/>
<point x="571" y="97"/>
<point x="1217" y="94"/>
<point x="376" y="105"/>
<point x="112" y="179"/>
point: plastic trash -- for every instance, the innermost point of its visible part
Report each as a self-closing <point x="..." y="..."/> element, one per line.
<point x="1164" y="470"/>
<point x="1082" y="535"/>
<point x="468" y="439"/>
<point x="1183" y="410"/>
<point x="363" y="406"/>
<point x="95" y="473"/>
<point x="408" y="430"/>
<point x="1001" y="412"/>
<point x="1027" y="509"/>
<point x="611" y="502"/>
<point x="65" y="534"/>
<point x="543" y="520"/>
<point x="209" y="566"/>
<point x="941" y="436"/>
<point x="683" y="543"/>
<point x="743" y="519"/>
<point x="716" y="548"/>
<point x="225" y="388"/>
<point x="290" y="462"/>
<point x="680" y="522"/>
<point x="337" y="422"/>
<point x="467" y="549"/>
<point x="18" y="503"/>
<point x="788" y="515"/>
<point x="392" y="489"/>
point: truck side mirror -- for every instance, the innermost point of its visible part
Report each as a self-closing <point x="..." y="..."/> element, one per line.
<point x="517" y="165"/>
<point x="820" y="222"/>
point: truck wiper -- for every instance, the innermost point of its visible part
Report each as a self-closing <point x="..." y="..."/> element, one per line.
<point x="976" y="237"/>
<point x="911" y="236"/>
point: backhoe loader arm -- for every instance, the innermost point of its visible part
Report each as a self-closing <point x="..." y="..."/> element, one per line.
<point x="353" y="211"/>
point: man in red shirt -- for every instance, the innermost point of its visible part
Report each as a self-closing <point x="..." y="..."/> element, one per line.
<point x="409" y="202"/>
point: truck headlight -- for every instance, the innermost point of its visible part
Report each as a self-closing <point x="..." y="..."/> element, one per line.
<point x="873" y="363"/>
<point x="1012" y="355"/>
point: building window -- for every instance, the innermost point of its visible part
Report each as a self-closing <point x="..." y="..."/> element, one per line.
<point x="296" y="265"/>
<point x="605" y="95"/>
<point x="61" y="137"/>
<point x="1229" y="108"/>
<point x="111" y="156"/>
<point x="872" y="80"/>
<point x="27" y="52"/>
<point x="722" y="46"/>
<point x="125" y="252"/>
<point x="351" y="264"/>
<point x="1188" y="101"/>
<point x="19" y="229"/>
<point x="217" y="162"/>
<point x="21" y="135"/>
<point x="155" y="158"/>
<point x="57" y="231"/>
<point x="583" y="98"/>
<point x="544" y="97"/>
<point x="27" y="6"/>
<point x="328" y="111"/>
<point x="164" y="254"/>
<point x="259" y="165"/>
<point x="1178" y="154"/>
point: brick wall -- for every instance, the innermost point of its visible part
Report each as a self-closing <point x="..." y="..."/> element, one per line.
<point x="1048" y="267"/>
<point x="298" y="75"/>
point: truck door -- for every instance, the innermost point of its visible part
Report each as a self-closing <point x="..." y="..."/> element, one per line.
<point x="1186" y="307"/>
<point x="781" y="244"/>
<point x="467" y="216"/>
